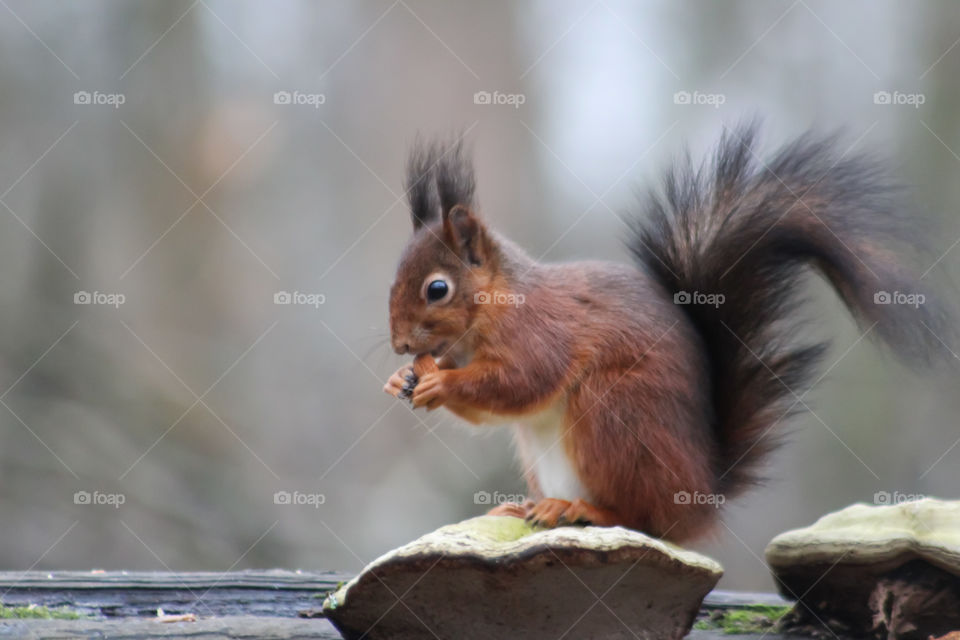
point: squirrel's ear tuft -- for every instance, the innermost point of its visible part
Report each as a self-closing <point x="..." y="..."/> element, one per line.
<point x="439" y="177"/>
<point x="455" y="179"/>
<point x="455" y="186"/>
<point x="420" y="184"/>
<point x="464" y="233"/>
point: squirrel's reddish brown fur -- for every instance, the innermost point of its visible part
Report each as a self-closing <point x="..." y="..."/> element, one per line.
<point x="655" y="405"/>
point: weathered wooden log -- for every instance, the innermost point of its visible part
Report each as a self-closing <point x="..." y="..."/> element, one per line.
<point x="228" y="606"/>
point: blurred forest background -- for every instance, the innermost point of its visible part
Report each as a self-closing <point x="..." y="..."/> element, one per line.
<point x="189" y="160"/>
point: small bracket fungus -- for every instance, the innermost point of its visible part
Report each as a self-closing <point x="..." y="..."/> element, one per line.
<point x="887" y="572"/>
<point x="498" y="577"/>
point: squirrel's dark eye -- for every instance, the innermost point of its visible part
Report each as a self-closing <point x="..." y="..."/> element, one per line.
<point x="437" y="290"/>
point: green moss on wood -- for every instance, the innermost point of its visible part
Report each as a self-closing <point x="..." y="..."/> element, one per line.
<point x="755" y="618"/>
<point x="37" y="612"/>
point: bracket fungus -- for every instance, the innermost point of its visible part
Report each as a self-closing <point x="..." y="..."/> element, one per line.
<point x="888" y="572"/>
<point x="498" y="577"/>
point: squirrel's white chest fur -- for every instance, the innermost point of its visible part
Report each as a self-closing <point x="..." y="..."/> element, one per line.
<point x="539" y="441"/>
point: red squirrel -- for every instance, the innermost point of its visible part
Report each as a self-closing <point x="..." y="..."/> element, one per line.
<point x="641" y="393"/>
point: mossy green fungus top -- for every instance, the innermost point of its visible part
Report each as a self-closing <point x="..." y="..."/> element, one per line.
<point x="494" y="529"/>
<point x="504" y="538"/>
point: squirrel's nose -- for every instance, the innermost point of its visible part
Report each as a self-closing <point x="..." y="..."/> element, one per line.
<point x="401" y="347"/>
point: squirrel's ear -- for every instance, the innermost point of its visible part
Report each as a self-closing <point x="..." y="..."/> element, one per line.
<point x="464" y="233"/>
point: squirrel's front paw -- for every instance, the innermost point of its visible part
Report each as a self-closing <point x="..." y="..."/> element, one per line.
<point x="401" y="384"/>
<point x="430" y="391"/>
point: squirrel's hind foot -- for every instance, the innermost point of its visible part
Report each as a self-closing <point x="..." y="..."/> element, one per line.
<point x="554" y="512"/>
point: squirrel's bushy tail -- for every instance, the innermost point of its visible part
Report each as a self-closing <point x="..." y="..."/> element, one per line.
<point x="745" y="230"/>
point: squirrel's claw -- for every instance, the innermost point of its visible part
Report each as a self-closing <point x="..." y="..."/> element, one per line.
<point x="554" y="512"/>
<point x="409" y="384"/>
<point x="548" y="512"/>
<point x="401" y="384"/>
